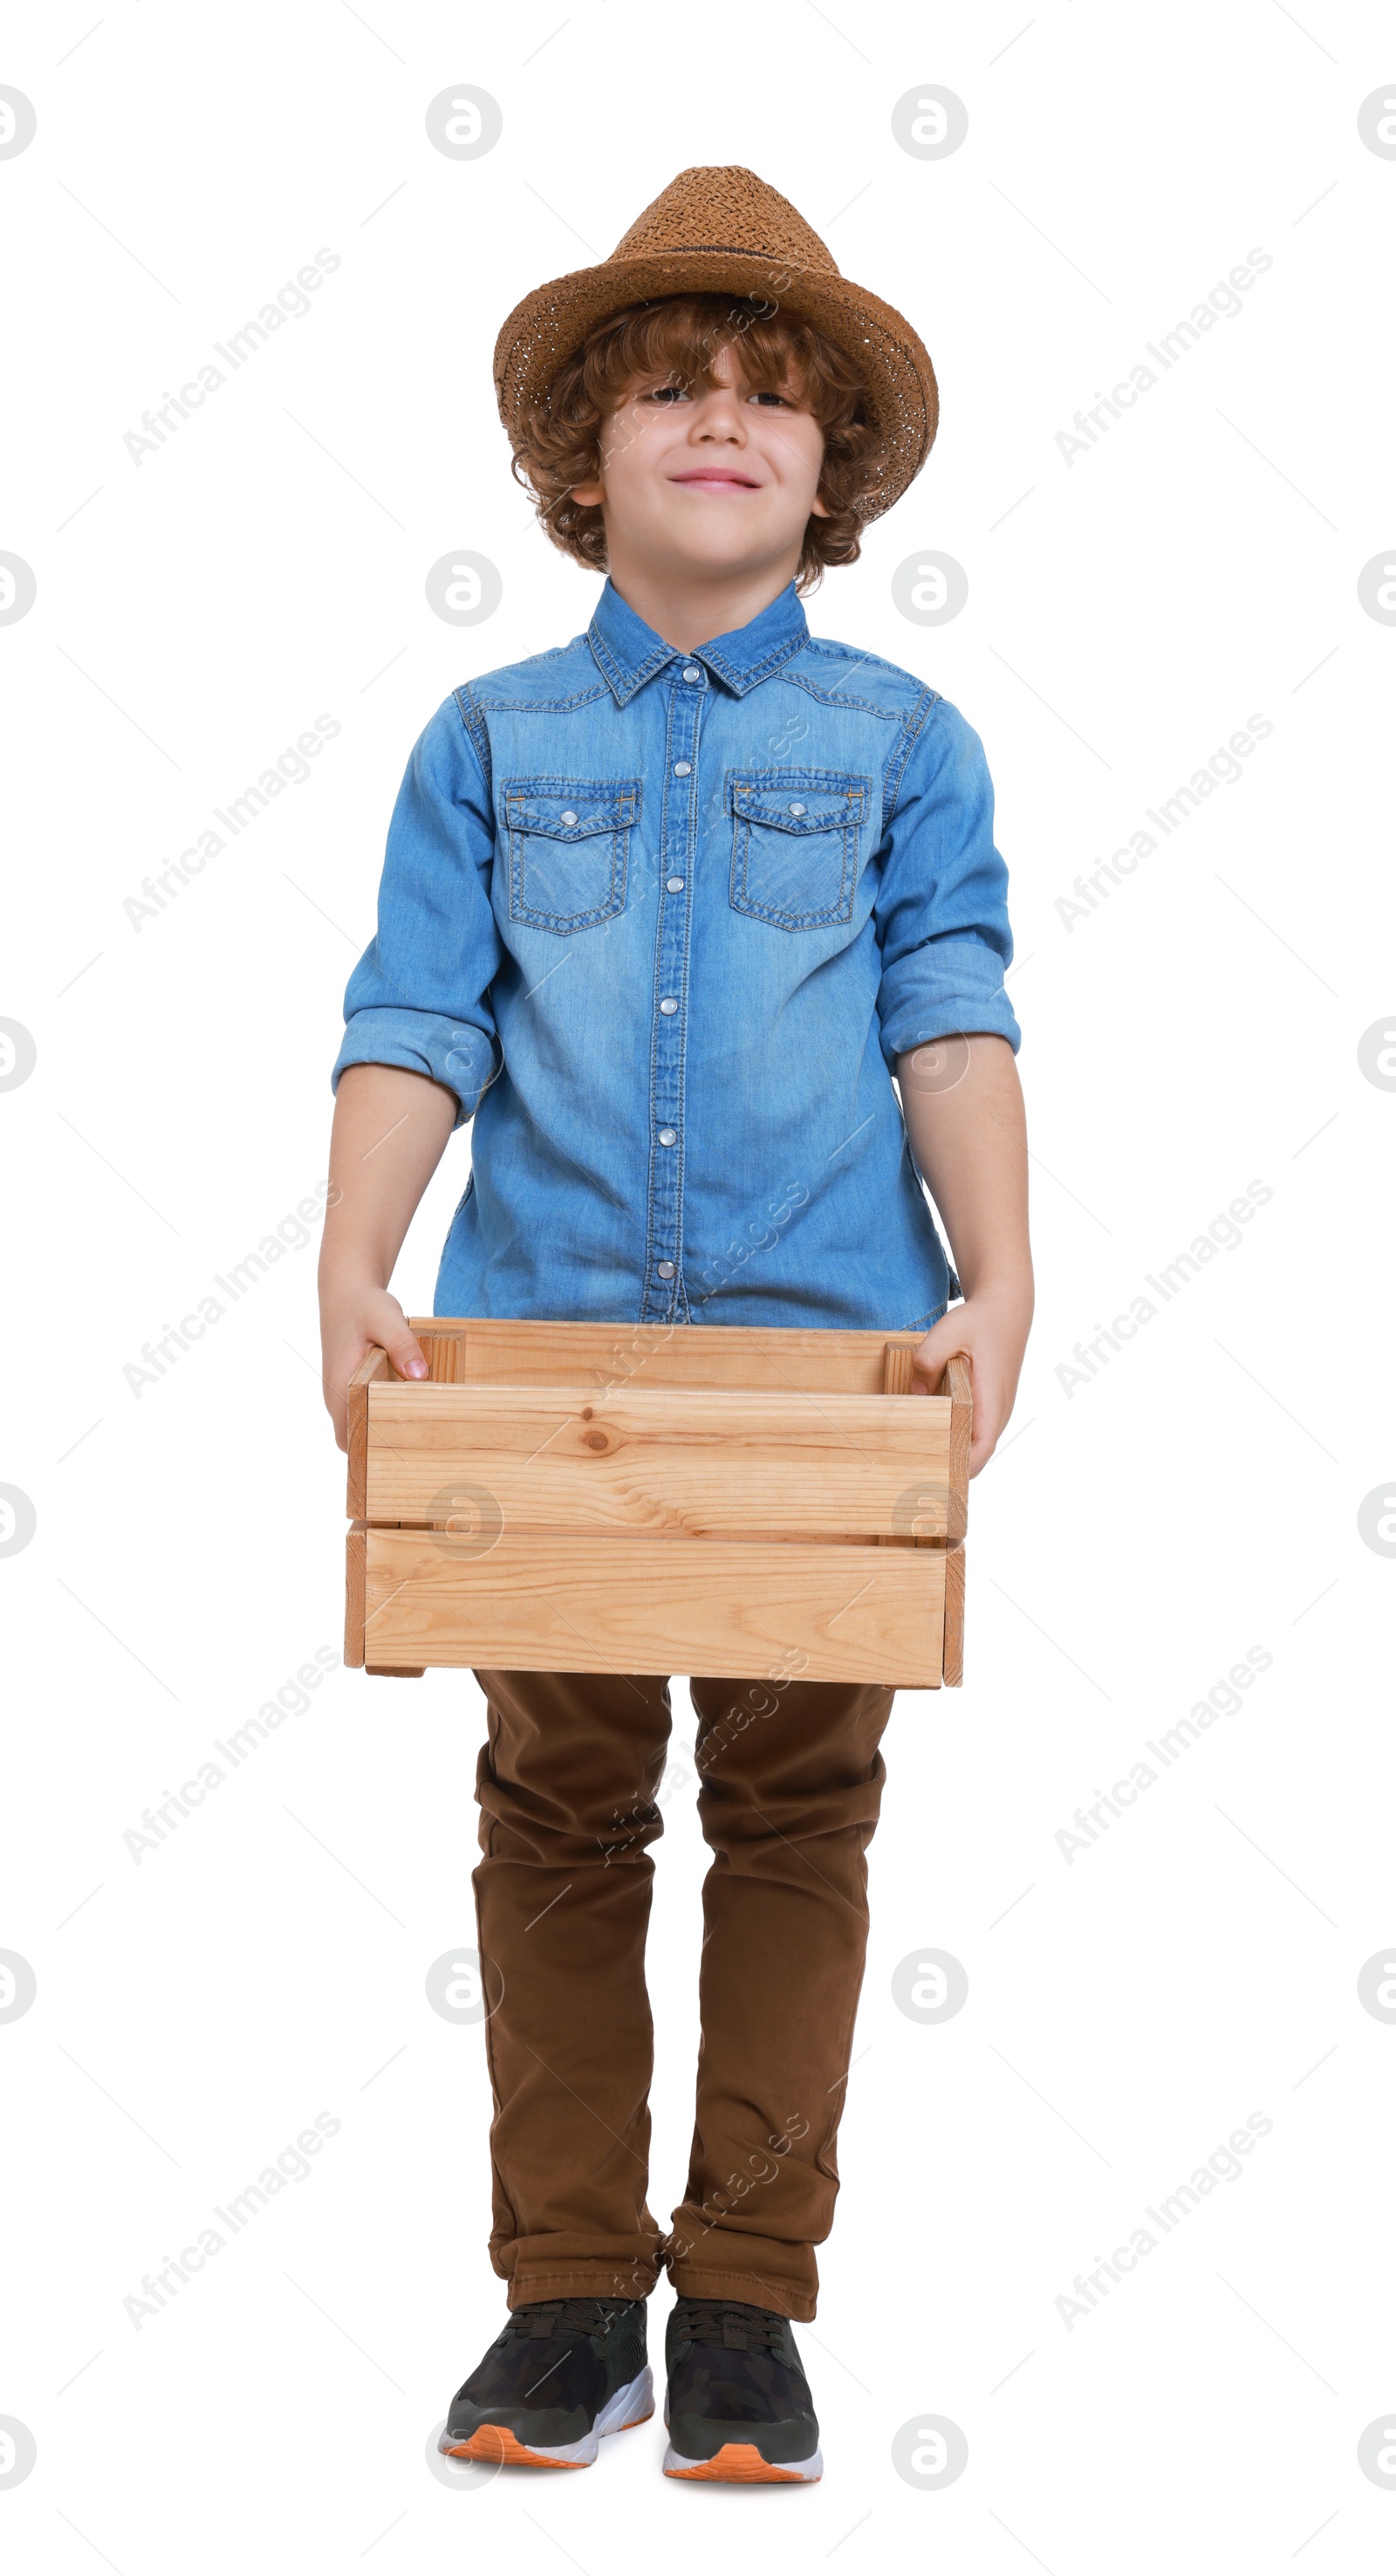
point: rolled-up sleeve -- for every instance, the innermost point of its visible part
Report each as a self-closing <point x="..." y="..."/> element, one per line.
<point x="942" y="907"/>
<point x="419" y="996"/>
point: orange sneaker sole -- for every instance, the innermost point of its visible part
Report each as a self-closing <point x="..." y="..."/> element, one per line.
<point x="740" y="2464"/>
<point x="495" y="2442"/>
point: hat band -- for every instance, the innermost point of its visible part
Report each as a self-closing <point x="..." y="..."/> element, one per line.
<point x="725" y="250"/>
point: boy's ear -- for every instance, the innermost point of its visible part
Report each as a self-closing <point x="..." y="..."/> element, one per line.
<point x="819" y="509"/>
<point x="591" y="495"/>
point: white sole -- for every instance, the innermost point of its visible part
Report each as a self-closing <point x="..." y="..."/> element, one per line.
<point x="630" y="2405"/>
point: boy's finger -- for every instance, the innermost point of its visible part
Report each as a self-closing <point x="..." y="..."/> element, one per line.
<point x="405" y="1352"/>
<point x="984" y="1440"/>
<point x="991" y="1417"/>
<point x="941" y="1344"/>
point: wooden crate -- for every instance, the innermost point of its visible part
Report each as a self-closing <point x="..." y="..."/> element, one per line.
<point x="735" y="1501"/>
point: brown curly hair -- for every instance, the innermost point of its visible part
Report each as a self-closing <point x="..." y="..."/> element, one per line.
<point x="674" y="340"/>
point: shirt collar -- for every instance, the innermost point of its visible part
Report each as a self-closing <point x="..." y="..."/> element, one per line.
<point x="628" y="652"/>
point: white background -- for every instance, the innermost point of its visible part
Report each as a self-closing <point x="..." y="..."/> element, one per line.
<point x="1199" y="1496"/>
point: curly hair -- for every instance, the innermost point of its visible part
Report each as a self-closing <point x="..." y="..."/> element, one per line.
<point x="673" y="340"/>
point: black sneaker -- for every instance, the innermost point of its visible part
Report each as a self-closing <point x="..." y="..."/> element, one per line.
<point x="563" y="2372"/>
<point x="738" y="2405"/>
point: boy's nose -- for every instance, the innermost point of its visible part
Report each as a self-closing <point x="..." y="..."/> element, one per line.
<point x="720" y="417"/>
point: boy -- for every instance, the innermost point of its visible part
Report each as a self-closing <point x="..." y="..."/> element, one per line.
<point x="663" y="910"/>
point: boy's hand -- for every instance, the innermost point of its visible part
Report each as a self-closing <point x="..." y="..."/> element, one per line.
<point x="351" y="1322"/>
<point x="964" y="1115"/>
<point x="390" y="1129"/>
<point x="991" y="1329"/>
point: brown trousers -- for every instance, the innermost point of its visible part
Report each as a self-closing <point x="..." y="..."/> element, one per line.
<point x="790" y="1782"/>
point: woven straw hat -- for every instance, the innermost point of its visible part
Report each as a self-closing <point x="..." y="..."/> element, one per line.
<point x="725" y="231"/>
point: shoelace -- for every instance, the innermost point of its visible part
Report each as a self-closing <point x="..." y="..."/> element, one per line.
<point x="737" y="2328"/>
<point x="568" y="2317"/>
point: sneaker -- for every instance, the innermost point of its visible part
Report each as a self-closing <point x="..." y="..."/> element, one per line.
<point x="738" y="2405"/>
<point x="562" y="2373"/>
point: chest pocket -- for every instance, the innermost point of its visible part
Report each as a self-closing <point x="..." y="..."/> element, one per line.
<point x="797" y="837"/>
<point x="569" y="849"/>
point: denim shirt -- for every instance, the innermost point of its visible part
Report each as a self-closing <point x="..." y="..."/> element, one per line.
<point x="663" y="923"/>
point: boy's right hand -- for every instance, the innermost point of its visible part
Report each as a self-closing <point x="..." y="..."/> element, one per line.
<point x="352" y="1321"/>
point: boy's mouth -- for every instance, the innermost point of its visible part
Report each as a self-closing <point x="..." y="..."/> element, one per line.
<point x="716" y="478"/>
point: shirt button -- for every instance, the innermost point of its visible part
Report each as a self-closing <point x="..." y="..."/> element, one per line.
<point x="571" y="818"/>
<point x="692" y="672"/>
<point x="666" y="1270"/>
<point x="668" y="1007"/>
<point x="673" y="885"/>
<point x="682" y="768"/>
<point x="795" y="809"/>
<point x="668" y="1136"/>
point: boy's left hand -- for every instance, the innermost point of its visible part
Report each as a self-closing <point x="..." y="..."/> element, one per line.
<point x="991" y="1329"/>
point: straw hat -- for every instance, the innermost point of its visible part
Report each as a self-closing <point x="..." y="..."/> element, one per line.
<point x="725" y="231"/>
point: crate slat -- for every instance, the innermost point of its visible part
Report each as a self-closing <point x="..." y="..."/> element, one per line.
<point x="741" y="1609"/>
<point x="662" y="1460"/>
<point x="499" y="1351"/>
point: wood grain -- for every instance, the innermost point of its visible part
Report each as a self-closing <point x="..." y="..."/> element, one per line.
<point x="355" y="1568"/>
<point x="502" y="1352"/>
<point x="897" y="1375"/>
<point x="734" y="1609"/>
<point x="373" y="1365"/>
<point x="445" y="1356"/>
<point x="656" y="1461"/>
<point x="958" y="1385"/>
<point x="954" y="1650"/>
<point x="898" y="1379"/>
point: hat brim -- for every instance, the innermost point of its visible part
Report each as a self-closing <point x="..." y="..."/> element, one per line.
<point x="903" y="402"/>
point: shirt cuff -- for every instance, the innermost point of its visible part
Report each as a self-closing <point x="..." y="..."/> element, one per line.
<point x="452" y="1052"/>
<point x="948" y="988"/>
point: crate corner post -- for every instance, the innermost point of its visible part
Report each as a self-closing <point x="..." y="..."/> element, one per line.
<point x="959" y="1388"/>
<point x="952" y="1659"/>
<point x="355" y="1595"/>
<point x="374" y="1364"/>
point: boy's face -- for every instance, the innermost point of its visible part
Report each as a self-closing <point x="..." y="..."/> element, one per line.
<point x="718" y="479"/>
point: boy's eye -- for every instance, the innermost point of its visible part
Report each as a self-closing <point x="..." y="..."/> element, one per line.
<point x="670" y="394"/>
